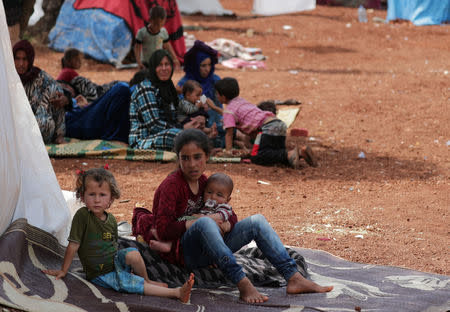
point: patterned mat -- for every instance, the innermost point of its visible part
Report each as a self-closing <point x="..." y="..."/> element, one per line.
<point x="116" y="150"/>
<point x="26" y="250"/>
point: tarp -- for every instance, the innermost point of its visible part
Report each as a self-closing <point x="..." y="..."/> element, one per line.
<point x="28" y="185"/>
<point x="419" y="12"/>
<point x="105" y="29"/>
<point x="27" y="250"/>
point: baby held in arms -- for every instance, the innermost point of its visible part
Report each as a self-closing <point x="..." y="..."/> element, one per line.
<point x="217" y="196"/>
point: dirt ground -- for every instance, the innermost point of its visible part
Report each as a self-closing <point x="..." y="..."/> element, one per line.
<point x="381" y="89"/>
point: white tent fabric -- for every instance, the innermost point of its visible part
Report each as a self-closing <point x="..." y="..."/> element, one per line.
<point x="260" y="7"/>
<point x="28" y="185"/>
<point x="274" y="7"/>
<point x="206" y="7"/>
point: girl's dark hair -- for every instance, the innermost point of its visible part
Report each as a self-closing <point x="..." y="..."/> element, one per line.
<point x="157" y="12"/>
<point x="69" y="54"/>
<point x="227" y="87"/>
<point x="195" y="136"/>
<point x="190" y="85"/>
<point x="99" y="175"/>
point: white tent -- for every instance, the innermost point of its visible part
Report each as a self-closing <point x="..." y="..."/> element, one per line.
<point x="28" y="185"/>
<point x="260" y="7"/>
<point x="273" y="7"/>
<point x="206" y="7"/>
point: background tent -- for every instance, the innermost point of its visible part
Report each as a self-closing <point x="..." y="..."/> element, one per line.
<point x="274" y="7"/>
<point x="260" y="7"/>
<point x="206" y="7"/>
<point x="104" y="30"/>
<point x="28" y="185"/>
<point x="420" y="12"/>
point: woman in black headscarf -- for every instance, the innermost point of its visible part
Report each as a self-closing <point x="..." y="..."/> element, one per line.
<point x="46" y="97"/>
<point x="153" y="108"/>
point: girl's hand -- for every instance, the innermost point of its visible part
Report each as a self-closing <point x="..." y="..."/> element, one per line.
<point x="81" y="101"/>
<point x="58" y="273"/>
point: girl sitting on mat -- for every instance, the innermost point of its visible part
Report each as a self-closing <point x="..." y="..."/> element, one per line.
<point x="94" y="236"/>
<point x="199" y="243"/>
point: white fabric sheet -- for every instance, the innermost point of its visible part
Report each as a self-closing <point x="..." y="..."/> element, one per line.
<point x="28" y="185"/>
<point x="206" y="7"/>
<point x="273" y="7"/>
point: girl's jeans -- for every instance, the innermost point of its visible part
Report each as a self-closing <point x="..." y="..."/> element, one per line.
<point x="204" y="245"/>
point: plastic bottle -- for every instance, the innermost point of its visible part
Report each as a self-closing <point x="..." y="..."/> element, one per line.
<point x="362" y="15"/>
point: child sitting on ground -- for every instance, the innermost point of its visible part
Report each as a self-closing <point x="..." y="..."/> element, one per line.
<point x="94" y="236"/>
<point x="219" y="187"/>
<point x="83" y="89"/>
<point x="248" y="118"/>
<point x="70" y="62"/>
<point x="153" y="37"/>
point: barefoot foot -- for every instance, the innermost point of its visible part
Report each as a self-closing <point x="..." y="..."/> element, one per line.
<point x="185" y="290"/>
<point x="297" y="284"/>
<point x="249" y="293"/>
<point x="160" y="246"/>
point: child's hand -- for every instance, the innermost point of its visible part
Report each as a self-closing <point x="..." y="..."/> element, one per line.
<point x="210" y="103"/>
<point x="81" y="101"/>
<point x="213" y="131"/>
<point x="225" y="227"/>
<point x="58" y="273"/>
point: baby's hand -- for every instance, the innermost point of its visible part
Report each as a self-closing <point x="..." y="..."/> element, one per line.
<point x="58" y="273"/>
<point x="225" y="227"/>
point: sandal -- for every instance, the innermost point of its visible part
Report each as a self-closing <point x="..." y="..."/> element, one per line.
<point x="309" y="157"/>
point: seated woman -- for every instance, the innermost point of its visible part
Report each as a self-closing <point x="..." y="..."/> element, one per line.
<point x="106" y="118"/>
<point x="70" y="62"/>
<point x="153" y="107"/>
<point x="199" y="65"/>
<point x="199" y="243"/>
<point x="46" y="97"/>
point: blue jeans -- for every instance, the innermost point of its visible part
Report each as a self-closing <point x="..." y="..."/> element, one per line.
<point x="204" y="245"/>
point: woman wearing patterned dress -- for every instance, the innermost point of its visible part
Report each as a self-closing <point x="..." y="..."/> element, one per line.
<point x="46" y="97"/>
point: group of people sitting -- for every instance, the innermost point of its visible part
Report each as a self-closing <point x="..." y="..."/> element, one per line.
<point x="150" y="111"/>
<point x="191" y="225"/>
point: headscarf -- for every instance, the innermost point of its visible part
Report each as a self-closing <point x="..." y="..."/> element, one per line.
<point x="166" y="88"/>
<point x="32" y="71"/>
<point x="192" y="60"/>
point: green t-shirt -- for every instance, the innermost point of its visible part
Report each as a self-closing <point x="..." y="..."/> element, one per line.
<point x="98" y="242"/>
<point x="150" y="42"/>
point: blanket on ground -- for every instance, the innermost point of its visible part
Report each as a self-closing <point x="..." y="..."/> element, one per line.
<point x="116" y="150"/>
<point x="25" y="250"/>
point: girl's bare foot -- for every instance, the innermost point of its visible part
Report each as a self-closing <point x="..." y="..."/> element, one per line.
<point x="249" y="293"/>
<point x="185" y="290"/>
<point x="297" y="284"/>
<point x="160" y="246"/>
